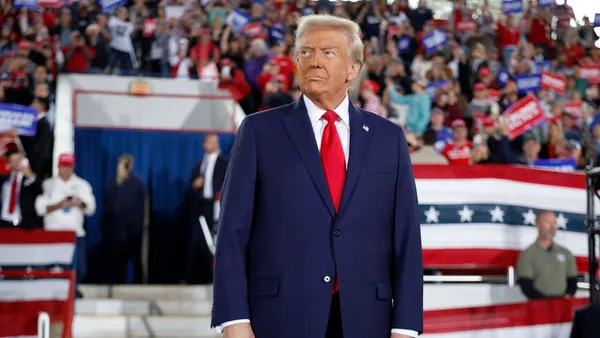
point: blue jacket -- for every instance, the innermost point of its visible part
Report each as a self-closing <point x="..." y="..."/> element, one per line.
<point x="280" y="241"/>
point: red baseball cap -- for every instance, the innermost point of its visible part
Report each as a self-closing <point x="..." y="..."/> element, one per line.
<point x="478" y="86"/>
<point x="485" y="71"/>
<point x="488" y="121"/>
<point x="67" y="159"/>
<point x="370" y="85"/>
<point x="458" y="123"/>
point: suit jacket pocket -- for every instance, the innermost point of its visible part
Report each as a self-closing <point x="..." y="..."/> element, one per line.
<point x="268" y="287"/>
<point x="384" y="291"/>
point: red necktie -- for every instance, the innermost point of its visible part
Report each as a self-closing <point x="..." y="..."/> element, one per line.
<point x="13" y="195"/>
<point x="334" y="164"/>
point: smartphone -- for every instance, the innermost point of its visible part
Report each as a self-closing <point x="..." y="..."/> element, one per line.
<point x="24" y="162"/>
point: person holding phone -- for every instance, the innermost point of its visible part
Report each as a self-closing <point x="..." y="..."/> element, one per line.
<point x="20" y="187"/>
<point x="64" y="203"/>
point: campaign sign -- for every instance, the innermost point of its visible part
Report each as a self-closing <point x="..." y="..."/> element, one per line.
<point x="433" y="87"/>
<point x="591" y="73"/>
<point x="546" y="3"/>
<point x="434" y="40"/>
<point x="512" y="6"/>
<point x="404" y="45"/>
<point x="573" y="108"/>
<point x="523" y="116"/>
<point x="50" y="3"/>
<point x="238" y="20"/>
<point x="503" y="77"/>
<point x="543" y="66"/>
<point x="29" y="4"/>
<point x="556" y="164"/>
<point x="597" y="20"/>
<point x="23" y="118"/>
<point x="109" y="5"/>
<point x="554" y="82"/>
<point x="466" y="26"/>
<point x="528" y="83"/>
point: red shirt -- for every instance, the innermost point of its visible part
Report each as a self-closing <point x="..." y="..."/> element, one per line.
<point x="574" y="53"/>
<point x="508" y="37"/>
<point x="458" y="155"/>
<point x="538" y="34"/>
<point x="286" y="66"/>
<point x="78" y="62"/>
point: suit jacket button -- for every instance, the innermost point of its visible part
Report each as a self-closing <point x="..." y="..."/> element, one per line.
<point x="337" y="232"/>
<point x="326" y="279"/>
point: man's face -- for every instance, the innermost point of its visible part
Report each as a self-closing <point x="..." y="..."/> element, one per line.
<point x="211" y="144"/>
<point x="460" y="133"/>
<point x="41" y="90"/>
<point x="531" y="148"/>
<point x="546" y="224"/>
<point x="14" y="161"/>
<point x="65" y="171"/>
<point x="324" y="66"/>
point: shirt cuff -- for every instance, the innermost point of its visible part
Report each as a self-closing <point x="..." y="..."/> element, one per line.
<point x="410" y="333"/>
<point x="29" y="181"/>
<point x="231" y="322"/>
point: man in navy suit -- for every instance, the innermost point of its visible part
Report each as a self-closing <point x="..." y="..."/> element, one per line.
<point x="319" y="234"/>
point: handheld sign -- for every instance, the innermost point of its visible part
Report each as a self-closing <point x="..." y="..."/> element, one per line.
<point x="556" y="164"/>
<point x="524" y="115"/>
<point x="24" y="119"/>
<point x="434" y="40"/>
<point x="554" y="82"/>
<point x="512" y="6"/>
<point x="528" y="83"/>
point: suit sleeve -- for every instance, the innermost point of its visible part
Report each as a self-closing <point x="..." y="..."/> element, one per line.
<point x="576" y="331"/>
<point x="408" y="274"/>
<point x="237" y="204"/>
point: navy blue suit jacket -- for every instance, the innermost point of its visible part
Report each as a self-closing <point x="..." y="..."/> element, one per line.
<point x="279" y="237"/>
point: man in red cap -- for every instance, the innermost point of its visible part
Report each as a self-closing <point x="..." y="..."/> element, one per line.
<point x="19" y="190"/>
<point x="458" y="152"/>
<point x="65" y="202"/>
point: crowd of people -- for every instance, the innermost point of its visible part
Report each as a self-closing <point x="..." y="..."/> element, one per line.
<point x="449" y="96"/>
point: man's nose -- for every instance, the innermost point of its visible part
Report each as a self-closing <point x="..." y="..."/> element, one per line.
<point x="316" y="61"/>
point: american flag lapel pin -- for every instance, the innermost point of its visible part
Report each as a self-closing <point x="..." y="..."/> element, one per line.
<point x="365" y="127"/>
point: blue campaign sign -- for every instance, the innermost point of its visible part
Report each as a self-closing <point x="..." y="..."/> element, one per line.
<point x="433" y="86"/>
<point x="109" y="5"/>
<point x="404" y="44"/>
<point x="23" y="118"/>
<point x="434" y="40"/>
<point x="556" y="164"/>
<point x="597" y="20"/>
<point x="512" y="6"/>
<point x="543" y="66"/>
<point x="29" y="4"/>
<point x="546" y="3"/>
<point x="238" y="19"/>
<point x="529" y="83"/>
<point x="503" y="77"/>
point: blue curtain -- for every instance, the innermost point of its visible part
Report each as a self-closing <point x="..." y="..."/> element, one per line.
<point x="164" y="161"/>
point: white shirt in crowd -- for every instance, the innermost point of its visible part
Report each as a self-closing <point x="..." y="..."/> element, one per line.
<point x="16" y="216"/>
<point x="121" y="34"/>
<point x="343" y="128"/>
<point x="55" y="190"/>
<point x="208" y="167"/>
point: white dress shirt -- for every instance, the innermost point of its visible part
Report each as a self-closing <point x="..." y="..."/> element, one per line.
<point x="16" y="216"/>
<point x="55" y="189"/>
<point x="208" y="166"/>
<point x="343" y="128"/>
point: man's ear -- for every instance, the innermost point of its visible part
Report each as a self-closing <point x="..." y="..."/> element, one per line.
<point x="353" y="71"/>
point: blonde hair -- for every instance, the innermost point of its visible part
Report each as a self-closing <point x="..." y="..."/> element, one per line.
<point x="325" y="21"/>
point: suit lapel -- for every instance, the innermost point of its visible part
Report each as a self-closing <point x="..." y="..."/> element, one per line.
<point x="301" y="132"/>
<point x="360" y="139"/>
